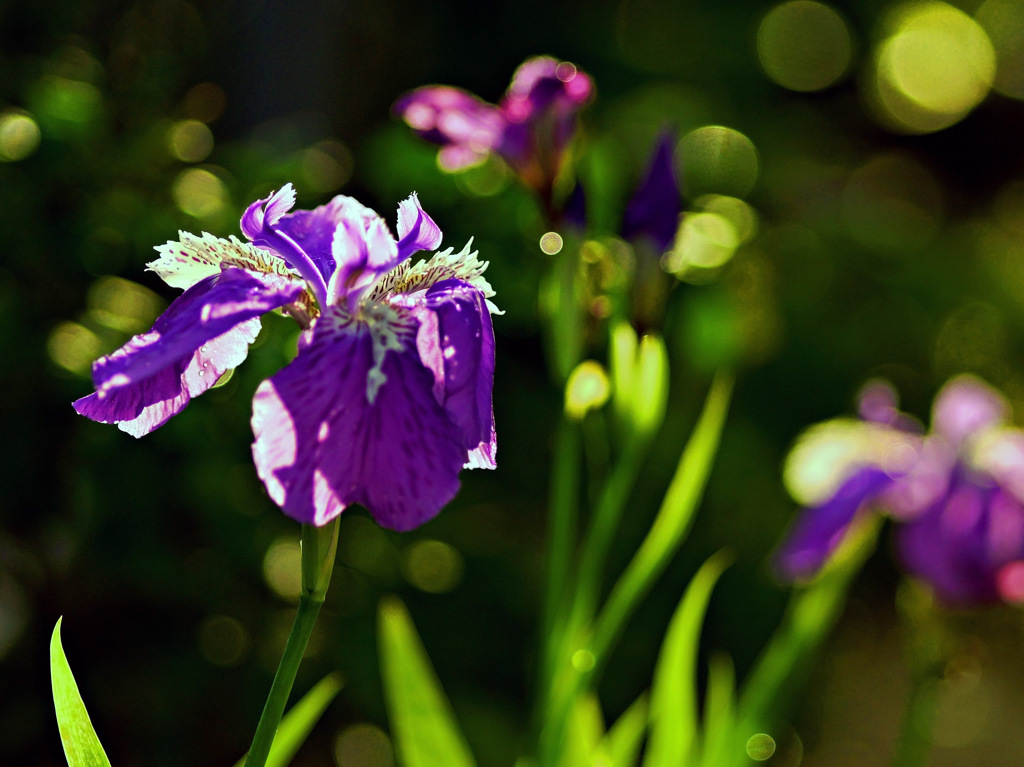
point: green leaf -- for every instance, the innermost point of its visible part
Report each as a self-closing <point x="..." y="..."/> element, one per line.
<point x="585" y="730"/>
<point x="81" y="745"/>
<point x="672" y="521"/>
<point x="621" y="745"/>
<point x="673" y="719"/>
<point x="422" y="724"/>
<point x="299" y="721"/>
<point x="722" y="744"/>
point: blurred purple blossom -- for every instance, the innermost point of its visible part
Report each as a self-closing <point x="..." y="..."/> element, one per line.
<point x="389" y="396"/>
<point x="529" y="129"/>
<point x="955" y="494"/>
<point x="654" y="209"/>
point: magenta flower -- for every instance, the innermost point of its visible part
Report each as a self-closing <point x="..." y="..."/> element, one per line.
<point x="529" y="129"/>
<point x="956" y="494"/>
<point x="389" y="396"/>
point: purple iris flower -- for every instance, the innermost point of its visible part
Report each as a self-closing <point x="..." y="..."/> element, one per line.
<point x="955" y="494"/>
<point x="654" y="209"/>
<point x="529" y="129"/>
<point x="389" y="396"/>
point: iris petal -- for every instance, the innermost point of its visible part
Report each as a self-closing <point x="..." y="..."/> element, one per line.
<point x="203" y="333"/>
<point x="818" y="532"/>
<point x="321" y="444"/>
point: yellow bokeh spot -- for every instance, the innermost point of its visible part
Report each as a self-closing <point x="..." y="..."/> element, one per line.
<point x="282" y="568"/>
<point x="326" y="166"/>
<point x="199" y="193"/>
<point x="803" y="45"/>
<point x="587" y="389"/>
<point x="363" y="745"/>
<point x="1003" y="21"/>
<point x="738" y="213"/>
<point x="760" y="747"/>
<point x="718" y="160"/>
<point x="19" y="136"/>
<point x="74" y="347"/>
<point x="190" y="140"/>
<point x="205" y="102"/>
<point x="935" y="66"/>
<point x="705" y="241"/>
<point x="223" y="641"/>
<point x="122" y="305"/>
<point x="433" y="566"/>
<point x="551" y="243"/>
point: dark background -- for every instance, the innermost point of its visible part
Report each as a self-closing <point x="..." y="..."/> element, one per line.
<point x="877" y="253"/>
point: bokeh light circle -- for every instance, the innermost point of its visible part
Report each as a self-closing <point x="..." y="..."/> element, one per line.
<point x="1003" y="21"/>
<point x="718" y="160"/>
<point x="935" y="65"/>
<point x="803" y="45"/>
<point x="19" y="136"/>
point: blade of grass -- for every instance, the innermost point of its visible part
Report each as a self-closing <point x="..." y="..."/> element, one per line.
<point x="720" y="744"/>
<point x="674" y="723"/>
<point x="620" y="746"/>
<point x="300" y="720"/>
<point x="81" y="744"/>
<point x="672" y="521"/>
<point x="422" y="723"/>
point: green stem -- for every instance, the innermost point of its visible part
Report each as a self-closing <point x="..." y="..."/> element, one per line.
<point x="561" y="535"/>
<point x="319" y="545"/>
<point x="914" y="745"/>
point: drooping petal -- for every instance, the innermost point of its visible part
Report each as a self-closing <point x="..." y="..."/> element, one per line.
<point x="416" y="230"/>
<point x="362" y="248"/>
<point x="456" y="342"/>
<point x="203" y="333"/>
<point x="948" y="546"/>
<point x="323" y="443"/>
<point x="964" y="407"/>
<point x="453" y="118"/>
<point x="818" y="532"/>
<point x="653" y="211"/>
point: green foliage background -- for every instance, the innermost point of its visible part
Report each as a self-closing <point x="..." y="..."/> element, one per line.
<point x="877" y="254"/>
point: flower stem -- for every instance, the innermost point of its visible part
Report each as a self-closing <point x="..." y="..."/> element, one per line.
<point x="319" y="545"/>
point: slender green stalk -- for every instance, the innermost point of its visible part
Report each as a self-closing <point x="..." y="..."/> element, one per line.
<point x="914" y="744"/>
<point x="319" y="545"/>
<point x="670" y="524"/>
<point x="561" y="537"/>
<point x="810" y="617"/>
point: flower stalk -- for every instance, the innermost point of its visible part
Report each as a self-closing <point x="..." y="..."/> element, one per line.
<point x="319" y="545"/>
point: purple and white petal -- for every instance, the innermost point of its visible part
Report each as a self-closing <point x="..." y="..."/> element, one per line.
<point x="452" y="117"/>
<point x="204" y="332"/>
<point x="820" y="530"/>
<point x="323" y="444"/>
<point x="966" y="406"/>
<point x="184" y="262"/>
<point x="313" y="231"/>
<point x="416" y="230"/>
<point x="267" y="212"/>
<point x="363" y="249"/>
<point x="456" y="343"/>
<point x="140" y="408"/>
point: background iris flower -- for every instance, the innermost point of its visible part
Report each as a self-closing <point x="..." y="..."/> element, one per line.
<point x="529" y="129"/>
<point x="956" y="493"/>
